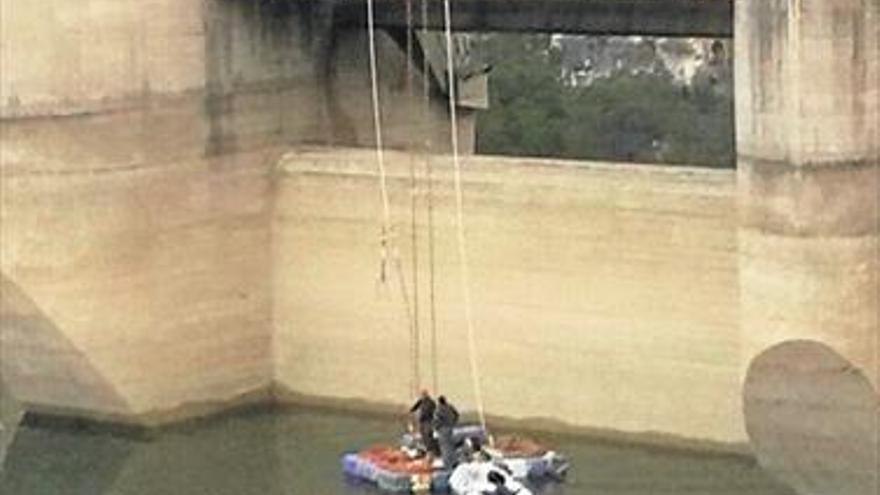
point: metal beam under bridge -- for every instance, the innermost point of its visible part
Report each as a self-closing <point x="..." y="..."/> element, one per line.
<point x="690" y="18"/>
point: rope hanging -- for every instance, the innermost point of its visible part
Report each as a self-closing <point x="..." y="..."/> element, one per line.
<point x="415" y="337"/>
<point x="387" y="229"/>
<point x="388" y="247"/>
<point x="377" y="127"/>
<point x="414" y="378"/>
<point x="426" y="91"/>
<point x="459" y="209"/>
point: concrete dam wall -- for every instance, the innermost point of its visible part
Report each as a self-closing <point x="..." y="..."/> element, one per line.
<point x="586" y="277"/>
<point x="134" y="213"/>
<point x="185" y="225"/>
<point x="604" y="295"/>
<point x="138" y="140"/>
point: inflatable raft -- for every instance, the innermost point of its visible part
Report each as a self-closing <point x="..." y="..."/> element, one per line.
<point x="398" y="469"/>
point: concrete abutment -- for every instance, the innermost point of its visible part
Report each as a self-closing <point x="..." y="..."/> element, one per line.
<point x="808" y="137"/>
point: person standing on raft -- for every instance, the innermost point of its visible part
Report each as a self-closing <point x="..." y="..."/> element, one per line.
<point x="445" y="419"/>
<point x="424" y="409"/>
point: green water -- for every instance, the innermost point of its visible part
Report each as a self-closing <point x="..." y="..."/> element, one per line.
<point x="296" y="452"/>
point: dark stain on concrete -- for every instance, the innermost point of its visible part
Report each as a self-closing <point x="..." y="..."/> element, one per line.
<point x="218" y="101"/>
<point x="768" y="39"/>
<point x="811" y="200"/>
<point x="264" y="49"/>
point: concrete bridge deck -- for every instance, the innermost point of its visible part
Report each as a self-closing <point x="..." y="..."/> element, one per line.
<point x="692" y="18"/>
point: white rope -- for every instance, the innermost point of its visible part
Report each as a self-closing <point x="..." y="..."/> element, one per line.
<point x="389" y="250"/>
<point x="416" y="337"/>
<point x="377" y="127"/>
<point x="459" y="204"/>
<point x="429" y="177"/>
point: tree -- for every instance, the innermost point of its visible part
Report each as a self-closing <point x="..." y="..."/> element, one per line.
<point x="641" y="116"/>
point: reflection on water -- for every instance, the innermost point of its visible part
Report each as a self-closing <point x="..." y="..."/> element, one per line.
<point x="270" y="452"/>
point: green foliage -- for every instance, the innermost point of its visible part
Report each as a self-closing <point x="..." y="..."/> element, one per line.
<point x="643" y="118"/>
<point x="527" y="106"/>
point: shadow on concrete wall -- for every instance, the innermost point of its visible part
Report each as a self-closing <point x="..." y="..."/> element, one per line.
<point x="812" y="418"/>
<point x="10" y="415"/>
<point x="42" y="368"/>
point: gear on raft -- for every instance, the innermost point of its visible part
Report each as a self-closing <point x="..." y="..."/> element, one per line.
<point x="501" y="469"/>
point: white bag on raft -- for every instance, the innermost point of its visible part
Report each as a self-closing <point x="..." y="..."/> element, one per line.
<point x="472" y="478"/>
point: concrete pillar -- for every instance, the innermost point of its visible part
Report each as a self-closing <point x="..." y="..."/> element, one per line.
<point x="808" y="146"/>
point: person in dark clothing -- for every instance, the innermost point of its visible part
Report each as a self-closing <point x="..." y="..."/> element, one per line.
<point x="424" y="411"/>
<point x="446" y="415"/>
<point x="445" y="419"/>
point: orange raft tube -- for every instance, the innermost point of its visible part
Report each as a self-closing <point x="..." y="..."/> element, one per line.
<point x="394" y="470"/>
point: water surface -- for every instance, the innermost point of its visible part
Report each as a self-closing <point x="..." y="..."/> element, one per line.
<point x="272" y="452"/>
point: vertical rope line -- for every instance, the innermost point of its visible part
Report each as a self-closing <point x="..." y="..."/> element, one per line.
<point x="429" y="173"/>
<point x="377" y="127"/>
<point x="405" y="296"/>
<point x="387" y="231"/>
<point x="416" y="330"/>
<point x="459" y="207"/>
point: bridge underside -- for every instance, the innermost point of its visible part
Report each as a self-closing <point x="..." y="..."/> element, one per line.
<point x="690" y="18"/>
